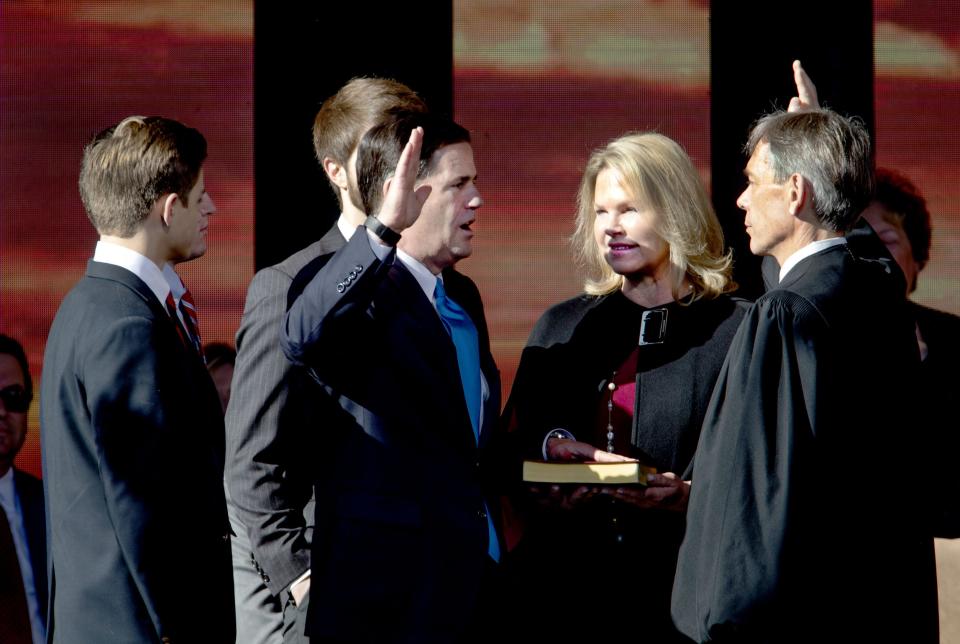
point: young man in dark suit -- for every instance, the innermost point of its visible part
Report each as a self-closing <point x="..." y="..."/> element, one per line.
<point x="23" y="548"/>
<point x="132" y="427"/>
<point x="404" y="544"/>
<point x="274" y="414"/>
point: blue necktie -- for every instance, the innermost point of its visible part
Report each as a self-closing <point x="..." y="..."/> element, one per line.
<point x="464" y="335"/>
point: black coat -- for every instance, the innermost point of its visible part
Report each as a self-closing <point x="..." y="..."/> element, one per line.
<point x="803" y="523"/>
<point x="935" y="402"/>
<point x="627" y="553"/>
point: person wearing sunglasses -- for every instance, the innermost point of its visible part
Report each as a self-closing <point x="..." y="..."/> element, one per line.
<point x="23" y="553"/>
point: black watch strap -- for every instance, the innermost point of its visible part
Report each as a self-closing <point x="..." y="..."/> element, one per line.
<point x="388" y="235"/>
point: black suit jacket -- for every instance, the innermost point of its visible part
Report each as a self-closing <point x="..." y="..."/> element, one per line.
<point x="132" y="457"/>
<point x="269" y="428"/>
<point x="939" y="384"/>
<point x="401" y="533"/>
<point x="29" y="490"/>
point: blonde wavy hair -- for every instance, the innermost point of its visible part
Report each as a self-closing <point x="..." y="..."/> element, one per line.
<point x="656" y="171"/>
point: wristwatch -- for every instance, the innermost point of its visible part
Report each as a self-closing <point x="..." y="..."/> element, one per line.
<point x="388" y="235"/>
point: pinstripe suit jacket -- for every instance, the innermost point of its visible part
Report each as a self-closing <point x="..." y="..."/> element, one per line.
<point x="267" y="427"/>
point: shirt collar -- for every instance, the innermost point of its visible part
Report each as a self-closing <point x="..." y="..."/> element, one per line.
<point x="426" y="279"/>
<point x="346" y="228"/>
<point x="174" y="281"/>
<point x="7" y="493"/>
<point x="139" y="265"/>
<point x="810" y="249"/>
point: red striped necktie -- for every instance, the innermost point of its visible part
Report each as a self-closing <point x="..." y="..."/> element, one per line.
<point x="188" y="331"/>
<point x="189" y="311"/>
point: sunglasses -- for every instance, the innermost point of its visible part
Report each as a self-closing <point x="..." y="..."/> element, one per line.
<point x="15" y="398"/>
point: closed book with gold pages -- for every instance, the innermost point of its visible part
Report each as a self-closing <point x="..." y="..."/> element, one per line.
<point x="586" y="472"/>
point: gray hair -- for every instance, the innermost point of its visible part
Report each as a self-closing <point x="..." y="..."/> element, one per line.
<point x="830" y="151"/>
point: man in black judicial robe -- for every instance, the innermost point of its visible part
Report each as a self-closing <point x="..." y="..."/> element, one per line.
<point x="801" y="525"/>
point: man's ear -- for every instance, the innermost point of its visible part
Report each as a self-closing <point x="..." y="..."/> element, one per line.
<point x="167" y="204"/>
<point x="799" y="193"/>
<point x="336" y="172"/>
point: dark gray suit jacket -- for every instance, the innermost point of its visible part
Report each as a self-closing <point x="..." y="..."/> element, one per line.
<point x="270" y="424"/>
<point x="132" y="440"/>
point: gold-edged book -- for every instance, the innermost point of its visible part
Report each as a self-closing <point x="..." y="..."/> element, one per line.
<point x="586" y="472"/>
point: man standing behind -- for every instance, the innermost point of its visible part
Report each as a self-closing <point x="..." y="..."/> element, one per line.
<point x="801" y="526"/>
<point x="23" y="551"/>
<point x="276" y="413"/>
<point x="132" y="427"/>
<point x="404" y="547"/>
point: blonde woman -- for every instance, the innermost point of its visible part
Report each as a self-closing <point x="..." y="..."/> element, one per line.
<point x="592" y="386"/>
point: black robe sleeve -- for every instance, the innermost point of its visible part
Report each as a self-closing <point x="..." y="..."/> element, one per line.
<point x="748" y="473"/>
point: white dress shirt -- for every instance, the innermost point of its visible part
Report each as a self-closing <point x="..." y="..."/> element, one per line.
<point x="810" y="249"/>
<point x="428" y="282"/>
<point x="137" y="264"/>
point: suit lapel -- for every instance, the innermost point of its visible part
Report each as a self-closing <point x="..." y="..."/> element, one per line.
<point x="195" y="367"/>
<point x="101" y="270"/>
<point x="113" y="273"/>
<point x="432" y="345"/>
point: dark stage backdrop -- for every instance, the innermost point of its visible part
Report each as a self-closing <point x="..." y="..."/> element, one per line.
<point x="540" y="84"/>
<point x="68" y="70"/>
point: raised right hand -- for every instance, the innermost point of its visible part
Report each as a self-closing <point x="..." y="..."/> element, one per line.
<point x="401" y="203"/>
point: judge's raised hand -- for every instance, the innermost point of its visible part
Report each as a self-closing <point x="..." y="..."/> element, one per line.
<point x="401" y="202"/>
<point x="806" y="98"/>
<point x="665" y="491"/>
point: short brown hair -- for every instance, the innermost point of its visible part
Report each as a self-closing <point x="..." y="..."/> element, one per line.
<point x="380" y="148"/>
<point x="359" y="105"/>
<point x="127" y="167"/>
<point x="655" y="170"/>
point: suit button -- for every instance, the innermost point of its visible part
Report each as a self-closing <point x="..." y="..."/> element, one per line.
<point x="341" y="287"/>
<point x="358" y="268"/>
<point x="226" y="537"/>
<point x="353" y="275"/>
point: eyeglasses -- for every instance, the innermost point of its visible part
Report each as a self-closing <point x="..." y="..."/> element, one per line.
<point x="15" y="398"/>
